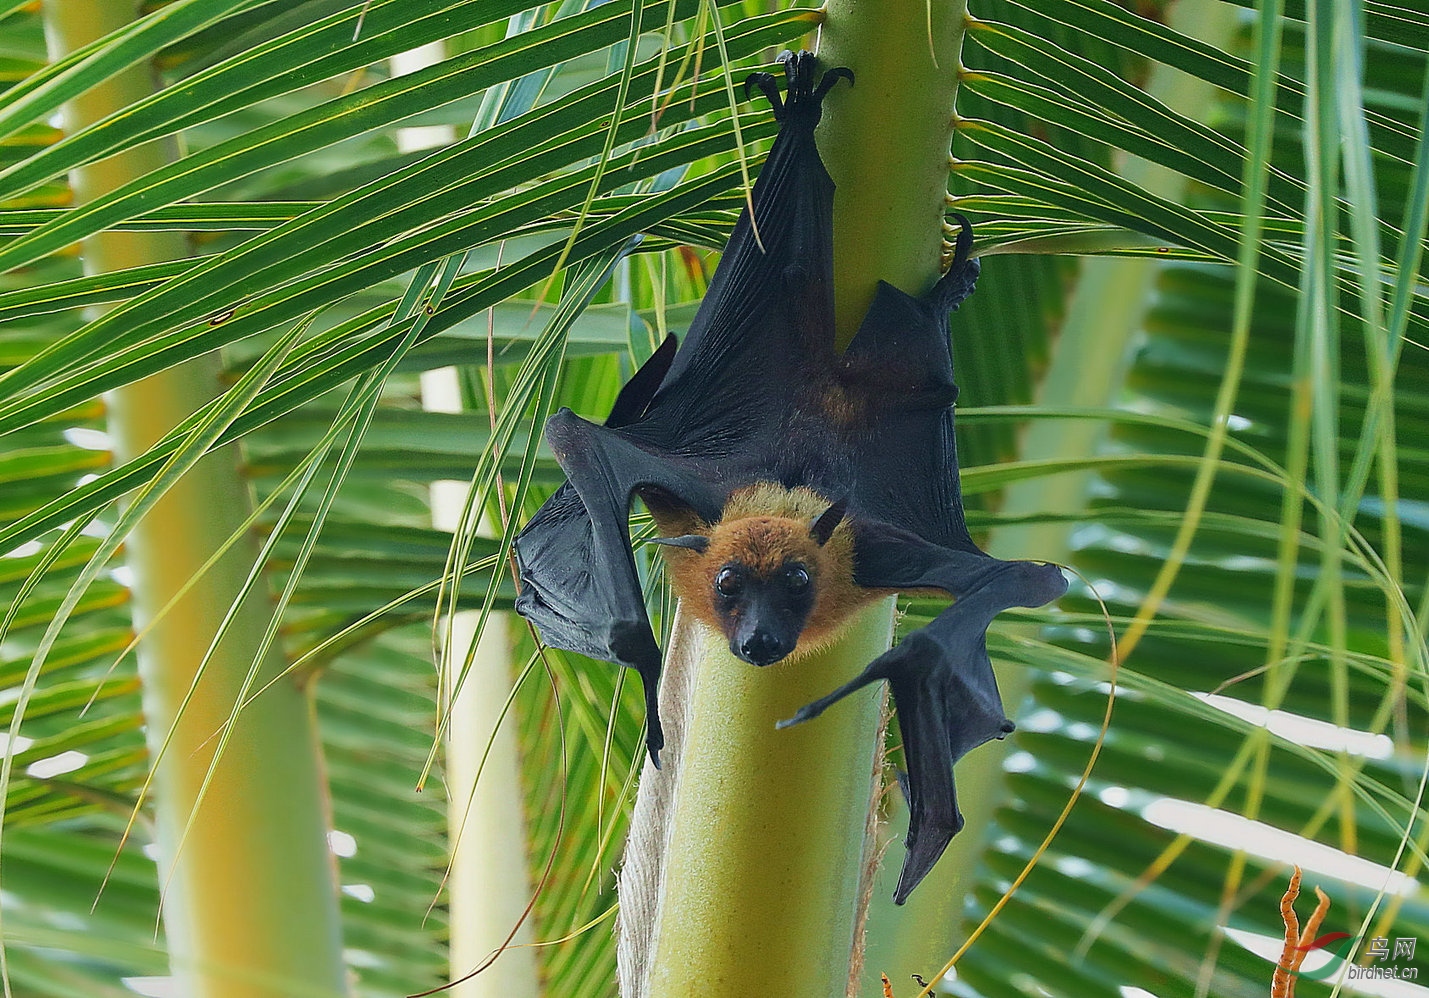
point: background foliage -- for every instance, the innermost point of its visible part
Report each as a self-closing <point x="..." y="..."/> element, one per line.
<point x="298" y="203"/>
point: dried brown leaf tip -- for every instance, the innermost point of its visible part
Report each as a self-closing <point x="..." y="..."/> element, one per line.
<point x="1297" y="941"/>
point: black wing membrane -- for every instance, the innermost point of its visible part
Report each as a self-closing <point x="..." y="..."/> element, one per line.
<point x="635" y="396"/>
<point x="910" y="533"/>
<point x="766" y="322"/>
<point x="907" y="462"/>
<point x="941" y="677"/>
<point x="691" y="424"/>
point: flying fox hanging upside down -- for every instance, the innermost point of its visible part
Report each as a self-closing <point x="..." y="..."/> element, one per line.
<point x="791" y="484"/>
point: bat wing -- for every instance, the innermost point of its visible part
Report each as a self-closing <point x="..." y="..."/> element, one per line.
<point x="579" y="584"/>
<point x="941" y="677"/>
<point x="766" y="322"/>
<point x="907" y="463"/>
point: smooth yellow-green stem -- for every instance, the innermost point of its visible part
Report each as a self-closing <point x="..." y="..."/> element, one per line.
<point x="885" y="141"/>
<point x="488" y="885"/>
<point x="763" y="837"/>
<point x="765" y="862"/>
<point x="250" y="903"/>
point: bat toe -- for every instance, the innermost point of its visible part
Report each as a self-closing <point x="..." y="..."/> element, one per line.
<point x="806" y="92"/>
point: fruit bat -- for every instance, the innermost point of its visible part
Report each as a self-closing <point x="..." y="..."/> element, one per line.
<point x="791" y="483"/>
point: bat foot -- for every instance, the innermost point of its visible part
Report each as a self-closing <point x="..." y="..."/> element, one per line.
<point x="805" y="94"/>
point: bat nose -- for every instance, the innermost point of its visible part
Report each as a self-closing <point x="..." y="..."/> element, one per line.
<point x="762" y="647"/>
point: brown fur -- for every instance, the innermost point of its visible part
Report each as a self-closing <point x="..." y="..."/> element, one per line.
<point x="841" y="408"/>
<point x="763" y="526"/>
<point x="673" y="520"/>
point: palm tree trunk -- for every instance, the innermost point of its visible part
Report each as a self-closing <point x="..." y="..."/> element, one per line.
<point x="250" y="902"/>
<point x="750" y="853"/>
<point x="487" y="884"/>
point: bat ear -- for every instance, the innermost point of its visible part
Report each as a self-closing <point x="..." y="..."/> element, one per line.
<point x="695" y="542"/>
<point x="824" y="525"/>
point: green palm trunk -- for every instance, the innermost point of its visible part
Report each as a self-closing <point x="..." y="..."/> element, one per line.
<point x="250" y="902"/>
<point x="752" y="852"/>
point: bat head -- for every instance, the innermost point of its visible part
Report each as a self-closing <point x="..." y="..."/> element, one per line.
<point x="759" y="579"/>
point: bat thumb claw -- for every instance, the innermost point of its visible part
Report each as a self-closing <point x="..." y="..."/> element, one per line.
<point x="812" y="710"/>
<point x="654" y="732"/>
<point x="965" y="239"/>
<point x="805" y="713"/>
<point x="799" y="718"/>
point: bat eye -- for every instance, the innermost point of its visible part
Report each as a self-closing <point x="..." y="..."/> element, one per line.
<point x="727" y="582"/>
<point x="796" y="578"/>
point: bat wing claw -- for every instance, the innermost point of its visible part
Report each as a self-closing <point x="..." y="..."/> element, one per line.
<point x="964" y="248"/>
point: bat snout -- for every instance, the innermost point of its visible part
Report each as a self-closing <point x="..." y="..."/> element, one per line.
<point x="764" y="625"/>
<point x="761" y="646"/>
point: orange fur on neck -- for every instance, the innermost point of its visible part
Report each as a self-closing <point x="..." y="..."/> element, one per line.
<point x="762" y="527"/>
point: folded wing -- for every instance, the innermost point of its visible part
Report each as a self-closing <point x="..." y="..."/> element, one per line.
<point x="940" y="675"/>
